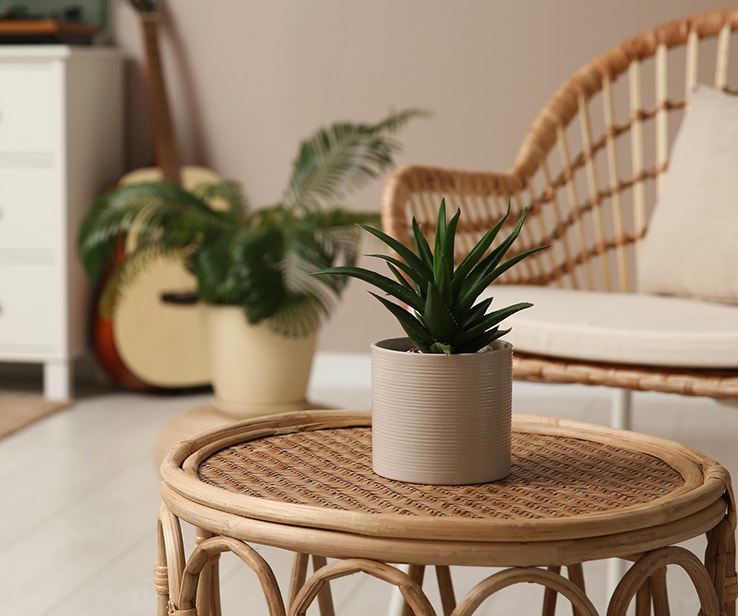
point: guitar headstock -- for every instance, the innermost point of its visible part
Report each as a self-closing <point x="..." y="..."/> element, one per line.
<point x="144" y="6"/>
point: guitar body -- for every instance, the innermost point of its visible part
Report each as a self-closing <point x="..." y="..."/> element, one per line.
<point x="149" y="344"/>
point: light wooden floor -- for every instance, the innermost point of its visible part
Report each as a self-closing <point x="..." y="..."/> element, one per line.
<point x="80" y="499"/>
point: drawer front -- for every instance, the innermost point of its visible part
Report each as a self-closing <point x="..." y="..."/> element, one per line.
<point x="31" y="209"/>
<point x="30" y="105"/>
<point x="31" y="311"/>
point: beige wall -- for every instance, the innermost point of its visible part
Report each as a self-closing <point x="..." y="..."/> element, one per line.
<point x="248" y="80"/>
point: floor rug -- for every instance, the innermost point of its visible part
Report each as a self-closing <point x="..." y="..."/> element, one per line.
<point x="20" y="410"/>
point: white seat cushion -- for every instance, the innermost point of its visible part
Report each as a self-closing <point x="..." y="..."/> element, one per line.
<point x="620" y="328"/>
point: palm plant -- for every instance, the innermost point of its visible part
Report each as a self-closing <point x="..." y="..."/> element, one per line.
<point x="258" y="259"/>
<point x="445" y="315"/>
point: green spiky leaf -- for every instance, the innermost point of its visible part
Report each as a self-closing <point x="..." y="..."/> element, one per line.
<point x="448" y="315"/>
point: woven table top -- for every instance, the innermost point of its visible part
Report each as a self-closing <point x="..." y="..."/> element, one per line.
<point x="569" y="480"/>
<point x="552" y="476"/>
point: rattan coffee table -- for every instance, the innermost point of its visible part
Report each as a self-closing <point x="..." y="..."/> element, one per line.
<point x="577" y="492"/>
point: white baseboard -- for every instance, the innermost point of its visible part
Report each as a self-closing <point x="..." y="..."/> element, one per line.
<point x="352" y="371"/>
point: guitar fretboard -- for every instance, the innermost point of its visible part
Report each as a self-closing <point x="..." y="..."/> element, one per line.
<point x="165" y="145"/>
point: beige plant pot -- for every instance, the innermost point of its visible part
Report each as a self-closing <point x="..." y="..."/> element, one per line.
<point x="253" y="370"/>
<point x="440" y="419"/>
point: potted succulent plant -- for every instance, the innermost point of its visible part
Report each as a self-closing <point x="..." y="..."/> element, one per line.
<point x="442" y="396"/>
<point x="251" y="266"/>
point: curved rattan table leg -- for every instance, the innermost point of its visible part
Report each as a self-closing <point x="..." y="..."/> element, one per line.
<point x="411" y="592"/>
<point x="576" y="575"/>
<point x="325" y="598"/>
<point x="720" y="564"/>
<point x="161" y="574"/>
<point x="208" y="588"/>
<point x="730" y="586"/>
<point x="549" y="595"/>
<point x="643" y="600"/>
<point x="206" y="553"/>
<point x="298" y="577"/>
<point x="651" y="564"/>
<point x="417" y="574"/>
<point x="502" y="579"/>
<point x="445" y="589"/>
<point x="658" y="591"/>
<point x="169" y="560"/>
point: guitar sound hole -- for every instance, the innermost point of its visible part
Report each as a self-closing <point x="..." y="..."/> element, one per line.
<point x="181" y="298"/>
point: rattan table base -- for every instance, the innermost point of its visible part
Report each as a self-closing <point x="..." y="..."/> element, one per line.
<point x="303" y="482"/>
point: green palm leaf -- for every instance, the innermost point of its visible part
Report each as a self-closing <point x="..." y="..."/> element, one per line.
<point x="160" y="213"/>
<point x="340" y="158"/>
<point x="262" y="259"/>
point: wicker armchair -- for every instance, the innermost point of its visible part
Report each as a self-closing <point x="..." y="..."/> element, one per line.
<point x="590" y="171"/>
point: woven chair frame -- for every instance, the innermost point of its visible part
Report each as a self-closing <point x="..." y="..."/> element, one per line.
<point x="589" y="171"/>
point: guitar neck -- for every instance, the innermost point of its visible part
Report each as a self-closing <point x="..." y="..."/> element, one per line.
<point x="165" y="145"/>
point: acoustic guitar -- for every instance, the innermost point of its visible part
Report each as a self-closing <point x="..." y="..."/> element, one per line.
<point x="149" y="344"/>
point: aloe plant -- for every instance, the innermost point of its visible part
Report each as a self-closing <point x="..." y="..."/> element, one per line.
<point x="259" y="259"/>
<point x="437" y="301"/>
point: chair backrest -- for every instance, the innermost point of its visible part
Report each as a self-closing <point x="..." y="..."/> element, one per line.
<point x="591" y="165"/>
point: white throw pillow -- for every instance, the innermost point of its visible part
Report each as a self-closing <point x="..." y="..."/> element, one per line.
<point x="691" y="247"/>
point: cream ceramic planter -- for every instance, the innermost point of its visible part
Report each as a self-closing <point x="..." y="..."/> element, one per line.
<point x="253" y="370"/>
<point x="440" y="419"/>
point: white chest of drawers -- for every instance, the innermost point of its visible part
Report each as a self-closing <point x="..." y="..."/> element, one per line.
<point x="61" y="143"/>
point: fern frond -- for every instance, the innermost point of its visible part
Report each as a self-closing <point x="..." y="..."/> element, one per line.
<point x="341" y="158"/>
<point x="263" y="259"/>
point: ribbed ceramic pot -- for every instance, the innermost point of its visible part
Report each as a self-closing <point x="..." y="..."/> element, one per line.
<point x="255" y="371"/>
<point x="439" y="419"/>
